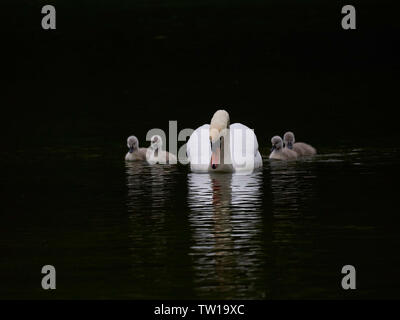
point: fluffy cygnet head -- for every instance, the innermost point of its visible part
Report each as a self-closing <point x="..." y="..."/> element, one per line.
<point x="133" y="143"/>
<point x="219" y="122"/>
<point x="288" y="138"/>
<point x="156" y="142"/>
<point x="277" y="143"/>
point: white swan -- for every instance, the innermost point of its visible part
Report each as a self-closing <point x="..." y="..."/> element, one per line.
<point x="155" y="154"/>
<point x="135" y="153"/>
<point x="278" y="152"/>
<point x="223" y="147"/>
<point x="301" y="148"/>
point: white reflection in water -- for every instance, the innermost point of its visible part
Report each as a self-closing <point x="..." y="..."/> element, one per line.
<point x="225" y="218"/>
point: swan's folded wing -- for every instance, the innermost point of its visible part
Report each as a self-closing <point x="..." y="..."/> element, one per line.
<point x="244" y="148"/>
<point x="242" y="133"/>
<point x="198" y="148"/>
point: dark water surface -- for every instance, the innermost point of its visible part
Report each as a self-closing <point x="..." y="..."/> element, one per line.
<point x="131" y="230"/>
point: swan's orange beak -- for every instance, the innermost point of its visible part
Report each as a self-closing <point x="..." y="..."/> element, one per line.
<point x="215" y="158"/>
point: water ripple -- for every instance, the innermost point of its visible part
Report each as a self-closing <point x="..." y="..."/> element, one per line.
<point x="225" y="218"/>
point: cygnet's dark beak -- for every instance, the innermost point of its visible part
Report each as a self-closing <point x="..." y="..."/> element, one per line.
<point x="273" y="148"/>
<point x="130" y="149"/>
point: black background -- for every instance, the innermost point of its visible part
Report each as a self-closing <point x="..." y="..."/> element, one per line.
<point x="112" y="68"/>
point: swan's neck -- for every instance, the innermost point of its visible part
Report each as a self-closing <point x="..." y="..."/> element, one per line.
<point x="226" y="149"/>
<point x="226" y="161"/>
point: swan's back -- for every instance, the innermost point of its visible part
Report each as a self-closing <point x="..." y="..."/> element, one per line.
<point x="198" y="149"/>
<point x="137" y="155"/>
<point x="283" y="154"/>
<point x="304" y="149"/>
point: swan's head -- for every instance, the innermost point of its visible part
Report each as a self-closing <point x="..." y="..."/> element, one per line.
<point x="288" y="139"/>
<point x="132" y="143"/>
<point x="218" y="128"/>
<point x="156" y="142"/>
<point x="277" y="143"/>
